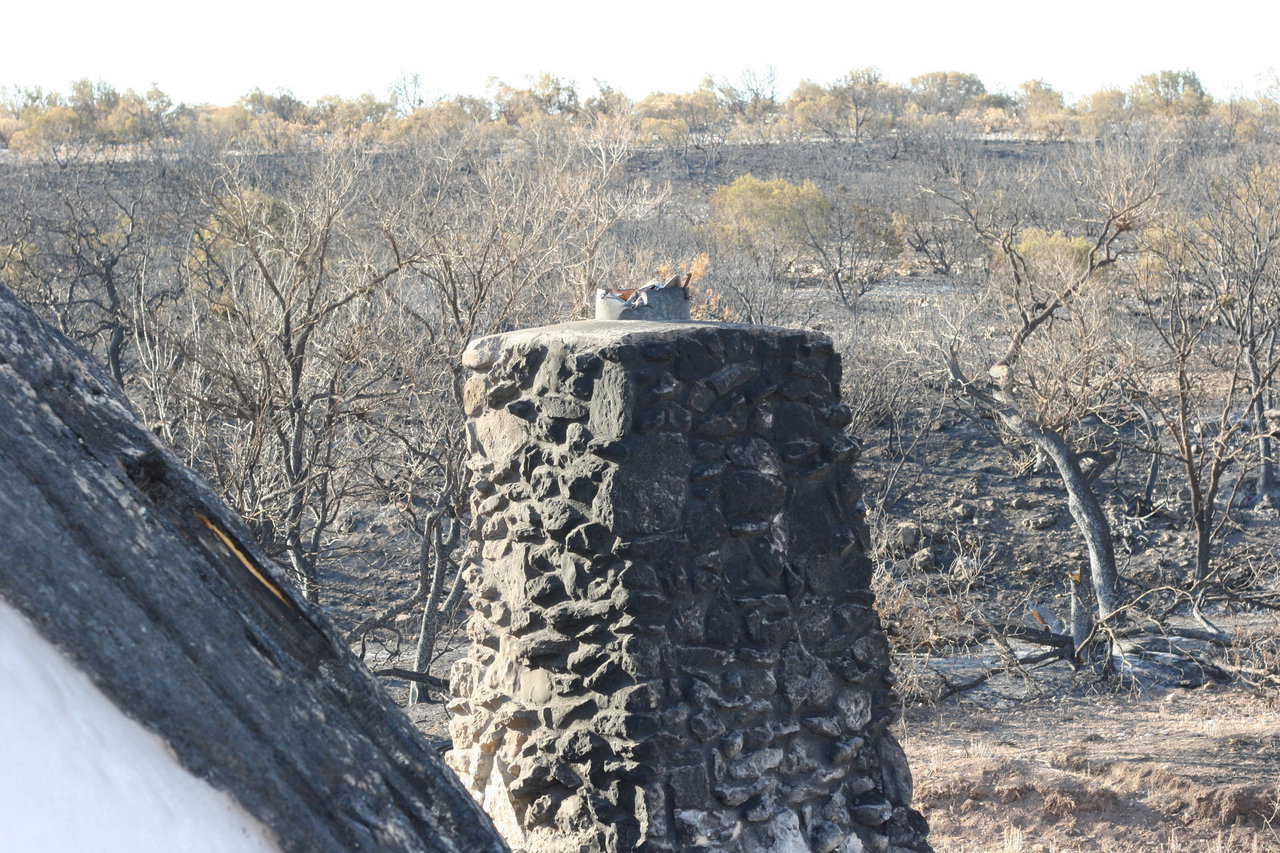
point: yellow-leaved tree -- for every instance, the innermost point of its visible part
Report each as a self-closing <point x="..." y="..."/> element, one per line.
<point x="771" y="219"/>
<point x="796" y="233"/>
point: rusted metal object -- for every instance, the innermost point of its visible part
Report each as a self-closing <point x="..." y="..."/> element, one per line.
<point x="663" y="301"/>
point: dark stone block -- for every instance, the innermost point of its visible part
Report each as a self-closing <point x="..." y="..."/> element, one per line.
<point x="688" y="786"/>
<point x="752" y="496"/>
<point x="592" y="538"/>
<point x="546" y="590"/>
<point x="692" y="360"/>
<point x="502" y="393"/>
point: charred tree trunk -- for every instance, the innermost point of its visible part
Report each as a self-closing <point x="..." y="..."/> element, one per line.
<point x="1082" y="503"/>
<point x="1089" y="517"/>
<point x="1268" y="487"/>
<point x="1146" y="502"/>
<point x="433" y="540"/>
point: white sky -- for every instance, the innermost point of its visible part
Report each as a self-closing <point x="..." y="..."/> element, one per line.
<point x="217" y="51"/>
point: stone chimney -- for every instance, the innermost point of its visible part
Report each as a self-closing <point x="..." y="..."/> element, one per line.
<point x="673" y="641"/>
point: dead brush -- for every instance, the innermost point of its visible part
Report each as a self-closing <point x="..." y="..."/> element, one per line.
<point x="1254" y="656"/>
<point x="972" y="563"/>
<point x="1024" y="460"/>
<point x="884" y="375"/>
<point x="1230" y="841"/>
<point x="927" y="614"/>
<point x="908" y="608"/>
<point x="1250" y="587"/>
<point x="911" y="631"/>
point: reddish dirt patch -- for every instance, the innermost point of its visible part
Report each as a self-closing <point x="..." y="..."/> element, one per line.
<point x="1177" y="771"/>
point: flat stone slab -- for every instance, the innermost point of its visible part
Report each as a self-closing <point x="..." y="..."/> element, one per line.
<point x="599" y="334"/>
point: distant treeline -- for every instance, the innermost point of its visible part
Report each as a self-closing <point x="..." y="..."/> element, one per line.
<point x="861" y="105"/>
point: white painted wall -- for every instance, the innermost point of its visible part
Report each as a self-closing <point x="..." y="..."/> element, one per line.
<point x="76" y="774"/>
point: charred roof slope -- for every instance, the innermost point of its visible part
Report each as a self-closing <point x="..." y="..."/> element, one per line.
<point x="125" y="560"/>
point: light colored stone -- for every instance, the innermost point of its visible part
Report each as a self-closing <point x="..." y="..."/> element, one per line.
<point x="923" y="561"/>
<point x="1041" y="521"/>
<point x="785" y="835"/>
<point x="906" y="537"/>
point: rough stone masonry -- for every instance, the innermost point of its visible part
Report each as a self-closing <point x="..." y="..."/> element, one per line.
<point x="673" y="641"/>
